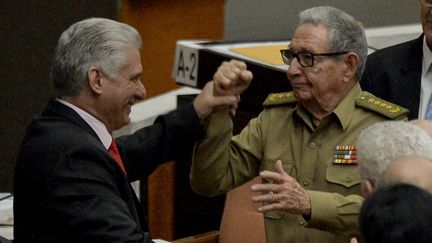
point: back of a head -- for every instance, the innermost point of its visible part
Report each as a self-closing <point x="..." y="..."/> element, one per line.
<point x="91" y="42"/>
<point x="385" y="142"/>
<point x="345" y="33"/>
<point x="411" y="170"/>
<point x="398" y="213"/>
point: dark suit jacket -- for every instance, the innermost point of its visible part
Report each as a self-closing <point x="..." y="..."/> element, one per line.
<point x="394" y="74"/>
<point x="68" y="188"/>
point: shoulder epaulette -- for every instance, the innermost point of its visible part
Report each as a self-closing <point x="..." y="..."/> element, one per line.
<point x="371" y="102"/>
<point x="278" y="99"/>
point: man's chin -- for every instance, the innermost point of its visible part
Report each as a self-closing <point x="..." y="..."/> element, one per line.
<point x="301" y="96"/>
<point x="428" y="32"/>
<point x="124" y="123"/>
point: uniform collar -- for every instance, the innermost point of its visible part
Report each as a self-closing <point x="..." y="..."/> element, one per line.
<point x="343" y="112"/>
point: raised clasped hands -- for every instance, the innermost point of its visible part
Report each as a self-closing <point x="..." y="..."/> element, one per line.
<point x="229" y="81"/>
<point x="283" y="193"/>
<point x="231" y="78"/>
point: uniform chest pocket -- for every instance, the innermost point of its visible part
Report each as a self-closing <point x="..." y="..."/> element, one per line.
<point x="346" y="175"/>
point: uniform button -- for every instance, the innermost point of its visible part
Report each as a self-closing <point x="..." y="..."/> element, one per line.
<point x="301" y="221"/>
<point x="348" y="179"/>
<point x="306" y="182"/>
<point x="312" y="145"/>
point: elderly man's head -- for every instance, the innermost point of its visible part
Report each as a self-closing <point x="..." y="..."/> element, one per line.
<point x="326" y="57"/>
<point x="383" y="143"/>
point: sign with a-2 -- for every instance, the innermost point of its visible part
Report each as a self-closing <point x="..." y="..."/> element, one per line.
<point x="186" y="63"/>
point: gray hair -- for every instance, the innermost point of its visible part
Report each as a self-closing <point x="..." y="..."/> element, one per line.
<point x="345" y="33"/>
<point x="92" y="42"/>
<point x="385" y="142"/>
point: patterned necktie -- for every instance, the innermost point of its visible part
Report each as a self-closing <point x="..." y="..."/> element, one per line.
<point x="116" y="155"/>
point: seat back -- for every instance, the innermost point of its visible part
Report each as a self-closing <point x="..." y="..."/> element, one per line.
<point x="241" y="222"/>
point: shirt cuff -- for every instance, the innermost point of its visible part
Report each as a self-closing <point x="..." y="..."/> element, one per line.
<point x="323" y="207"/>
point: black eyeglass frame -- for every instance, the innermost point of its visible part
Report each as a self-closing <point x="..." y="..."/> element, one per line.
<point x="287" y="61"/>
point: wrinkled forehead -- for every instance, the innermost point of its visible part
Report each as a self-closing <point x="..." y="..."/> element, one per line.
<point x="310" y="37"/>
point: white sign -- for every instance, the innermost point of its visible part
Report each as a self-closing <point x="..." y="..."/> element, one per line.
<point x="186" y="62"/>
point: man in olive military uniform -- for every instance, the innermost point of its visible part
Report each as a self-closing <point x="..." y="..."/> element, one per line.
<point x="303" y="142"/>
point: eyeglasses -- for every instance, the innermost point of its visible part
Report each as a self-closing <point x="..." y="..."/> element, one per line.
<point x="427" y="3"/>
<point x="305" y="59"/>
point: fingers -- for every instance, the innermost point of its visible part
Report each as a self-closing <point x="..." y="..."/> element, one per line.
<point x="265" y="188"/>
<point x="272" y="176"/>
<point x="231" y="78"/>
<point x="278" y="175"/>
<point x="226" y="100"/>
<point x="246" y="76"/>
<point x="206" y="102"/>
<point x="279" y="168"/>
<point x="271" y="207"/>
<point x="282" y="193"/>
<point x="289" y="197"/>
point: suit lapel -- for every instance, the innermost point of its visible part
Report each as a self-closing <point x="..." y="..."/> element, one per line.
<point x="409" y="81"/>
<point x="55" y="108"/>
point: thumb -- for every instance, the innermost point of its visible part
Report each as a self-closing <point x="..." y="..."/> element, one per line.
<point x="279" y="168"/>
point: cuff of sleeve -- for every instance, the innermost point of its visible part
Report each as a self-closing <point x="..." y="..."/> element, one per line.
<point x="219" y="122"/>
<point x="322" y="207"/>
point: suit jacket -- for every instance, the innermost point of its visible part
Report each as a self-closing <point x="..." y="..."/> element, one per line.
<point x="68" y="188"/>
<point x="394" y="74"/>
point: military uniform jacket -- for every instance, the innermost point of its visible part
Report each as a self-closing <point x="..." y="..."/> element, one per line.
<point x="284" y="131"/>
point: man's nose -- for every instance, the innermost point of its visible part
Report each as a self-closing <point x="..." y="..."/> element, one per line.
<point x="294" y="68"/>
<point x="141" y="91"/>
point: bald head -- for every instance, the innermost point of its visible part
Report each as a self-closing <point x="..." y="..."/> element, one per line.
<point x="423" y="124"/>
<point x="411" y="170"/>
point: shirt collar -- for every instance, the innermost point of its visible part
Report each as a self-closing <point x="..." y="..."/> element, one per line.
<point x="99" y="128"/>
<point x="343" y="112"/>
<point x="427" y="57"/>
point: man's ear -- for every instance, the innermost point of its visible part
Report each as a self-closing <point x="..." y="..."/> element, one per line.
<point x="94" y="76"/>
<point x="351" y="62"/>
<point x="368" y="188"/>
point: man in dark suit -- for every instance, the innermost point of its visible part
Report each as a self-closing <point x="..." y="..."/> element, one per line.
<point x="399" y="73"/>
<point x="394" y="74"/>
<point x="72" y="179"/>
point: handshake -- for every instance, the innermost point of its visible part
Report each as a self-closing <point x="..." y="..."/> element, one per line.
<point x="229" y="82"/>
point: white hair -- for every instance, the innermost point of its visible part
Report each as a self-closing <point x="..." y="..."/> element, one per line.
<point x="91" y="42"/>
<point x="345" y="33"/>
<point x="385" y="142"/>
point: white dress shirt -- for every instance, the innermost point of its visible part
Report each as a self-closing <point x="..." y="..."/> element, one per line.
<point x="97" y="126"/>
<point x="426" y="80"/>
